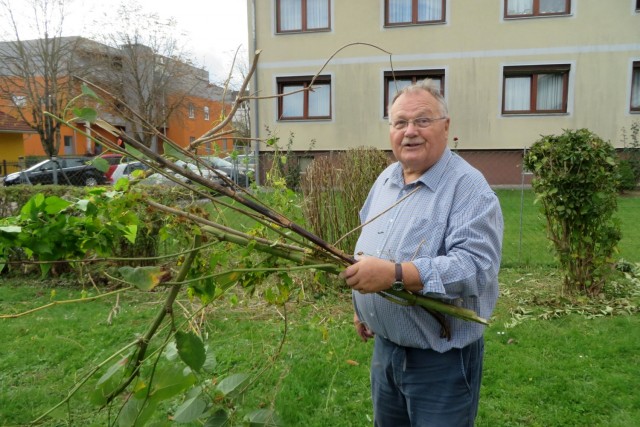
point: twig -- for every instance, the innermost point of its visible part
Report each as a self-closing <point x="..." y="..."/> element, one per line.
<point x="70" y="301"/>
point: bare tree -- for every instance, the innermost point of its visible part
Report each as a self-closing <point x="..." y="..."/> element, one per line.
<point x="156" y="75"/>
<point x="35" y="75"/>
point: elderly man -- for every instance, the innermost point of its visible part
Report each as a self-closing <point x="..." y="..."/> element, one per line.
<point x="433" y="227"/>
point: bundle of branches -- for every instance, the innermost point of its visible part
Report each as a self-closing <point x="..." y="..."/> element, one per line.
<point x="295" y="243"/>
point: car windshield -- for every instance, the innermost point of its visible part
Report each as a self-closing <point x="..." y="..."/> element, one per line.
<point x="37" y="166"/>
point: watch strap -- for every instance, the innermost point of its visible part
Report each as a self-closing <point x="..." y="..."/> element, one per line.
<point x="398" y="272"/>
<point x="398" y="284"/>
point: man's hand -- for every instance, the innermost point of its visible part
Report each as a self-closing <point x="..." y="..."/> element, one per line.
<point x="361" y="328"/>
<point x="370" y="274"/>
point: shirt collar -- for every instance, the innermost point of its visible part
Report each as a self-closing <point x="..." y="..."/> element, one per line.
<point x="430" y="178"/>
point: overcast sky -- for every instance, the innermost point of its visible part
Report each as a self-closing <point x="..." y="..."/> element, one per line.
<point x="214" y="28"/>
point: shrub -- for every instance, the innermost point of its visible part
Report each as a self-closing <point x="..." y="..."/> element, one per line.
<point x="335" y="189"/>
<point x="58" y="223"/>
<point x="628" y="178"/>
<point x="630" y="163"/>
<point x="576" y="181"/>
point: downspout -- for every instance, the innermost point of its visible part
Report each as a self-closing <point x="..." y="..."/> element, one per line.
<point x="255" y="128"/>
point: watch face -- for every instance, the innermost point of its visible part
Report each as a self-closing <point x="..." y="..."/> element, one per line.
<point x="397" y="286"/>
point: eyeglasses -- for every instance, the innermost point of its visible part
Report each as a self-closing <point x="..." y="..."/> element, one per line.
<point x="421" y="122"/>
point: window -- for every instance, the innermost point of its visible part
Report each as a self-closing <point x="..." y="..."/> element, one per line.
<point x="534" y="90"/>
<point x="635" y="87"/>
<point x="302" y="15"/>
<point x="638" y="5"/>
<point x="304" y="104"/>
<point x="192" y="111"/>
<point x="520" y="8"/>
<point x="407" y="12"/>
<point x="206" y="113"/>
<point x="395" y="81"/>
<point x="19" y="100"/>
<point x="68" y="145"/>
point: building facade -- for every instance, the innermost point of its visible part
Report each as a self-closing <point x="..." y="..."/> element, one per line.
<point x="511" y="71"/>
<point x="178" y="99"/>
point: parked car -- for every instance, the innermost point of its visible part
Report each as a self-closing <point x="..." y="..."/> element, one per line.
<point x="243" y="160"/>
<point x="238" y="173"/>
<point x="158" y="178"/>
<point x="69" y="171"/>
<point x="126" y="169"/>
<point x="114" y="160"/>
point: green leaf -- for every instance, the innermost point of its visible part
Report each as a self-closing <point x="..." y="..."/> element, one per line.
<point x="136" y="412"/>
<point x="211" y="362"/>
<point x="108" y="382"/>
<point x="134" y="152"/>
<point x="143" y="278"/>
<point x="101" y="164"/>
<point x="262" y="417"/>
<point x="191" y="349"/>
<point x="130" y="233"/>
<point x="116" y="368"/>
<point x="219" y="419"/>
<point x="171" y="151"/>
<point x="190" y="410"/>
<point x="171" y="381"/>
<point x="11" y="229"/>
<point x="171" y="351"/>
<point x="86" y="90"/>
<point x="233" y="384"/>
<point x="87" y="114"/>
<point x="54" y="205"/>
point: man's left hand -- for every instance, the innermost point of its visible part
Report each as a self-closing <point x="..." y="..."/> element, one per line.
<point x="370" y="274"/>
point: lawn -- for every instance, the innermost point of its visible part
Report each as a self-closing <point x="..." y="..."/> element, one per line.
<point x="550" y="360"/>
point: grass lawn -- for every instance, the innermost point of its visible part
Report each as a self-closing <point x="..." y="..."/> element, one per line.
<point x="550" y="360"/>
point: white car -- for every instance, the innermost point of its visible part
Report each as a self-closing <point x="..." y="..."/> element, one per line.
<point x="126" y="169"/>
<point x="202" y="170"/>
<point x="243" y="161"/>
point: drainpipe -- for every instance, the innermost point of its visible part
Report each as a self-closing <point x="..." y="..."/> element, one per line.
<point x="255" y="128"/>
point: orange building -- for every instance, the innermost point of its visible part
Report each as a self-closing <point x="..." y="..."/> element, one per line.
<point x="193" y="104"/>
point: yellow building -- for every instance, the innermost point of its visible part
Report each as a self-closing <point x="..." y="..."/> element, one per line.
<point x="12" y="132"/>
<point x="511" y="70"/>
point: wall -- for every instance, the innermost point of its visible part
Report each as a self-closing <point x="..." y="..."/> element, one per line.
<point x="599" y="40"/>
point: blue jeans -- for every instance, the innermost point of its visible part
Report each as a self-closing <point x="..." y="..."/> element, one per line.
<point x="420" y="388"/>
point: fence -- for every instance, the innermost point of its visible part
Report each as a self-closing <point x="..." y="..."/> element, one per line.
<point x="7" y="167"/>
<point x="62" y="171"/>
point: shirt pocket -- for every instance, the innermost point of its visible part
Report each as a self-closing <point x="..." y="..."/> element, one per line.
<point x="420" y="237"/>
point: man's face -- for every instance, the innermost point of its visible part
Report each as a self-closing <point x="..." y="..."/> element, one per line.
<point x="416" y="148"/>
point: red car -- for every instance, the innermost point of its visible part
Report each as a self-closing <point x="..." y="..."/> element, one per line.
<point x="114" y="160"/>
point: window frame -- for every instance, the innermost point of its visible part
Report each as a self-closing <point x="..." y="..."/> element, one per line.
<point x="635" y="68"/>
<point x="416" y="75"/>
<point x="533" y="71"/>
<point x="536" y="11"/>
<point x="414" y="15"/>
<point x="206" y="113"/>
<point x="192" y="111"/>
<point x="282" y="82"/>
<point x="303" y="18"/>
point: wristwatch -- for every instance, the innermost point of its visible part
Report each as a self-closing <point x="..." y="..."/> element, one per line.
<point x="398" y="284"/>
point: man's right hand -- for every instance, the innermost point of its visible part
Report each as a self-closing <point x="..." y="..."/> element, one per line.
<point x="361" y="328"/>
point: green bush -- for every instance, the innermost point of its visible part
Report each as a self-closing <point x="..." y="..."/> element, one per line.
<point x="628" y="180"/>
<point x="335" y="189"/>
<point x="60" y="223"/>
<point x="576" y="182"/>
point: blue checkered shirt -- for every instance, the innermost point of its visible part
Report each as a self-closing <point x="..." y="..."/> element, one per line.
<point x="451" y="229"/>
